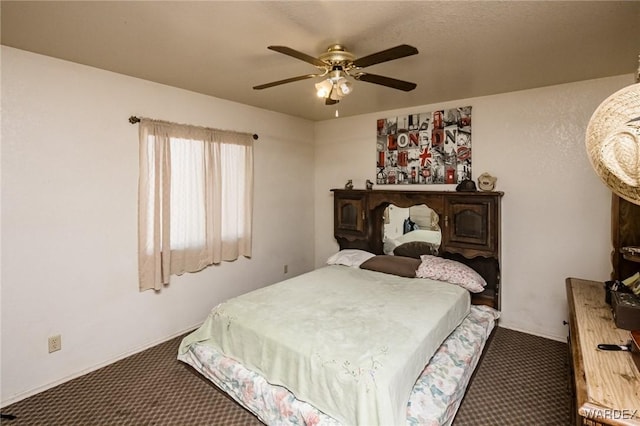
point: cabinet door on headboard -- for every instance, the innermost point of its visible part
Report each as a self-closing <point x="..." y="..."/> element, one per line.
<point x="472" y="224"/>
<point x="350" y="214"/>
<point x="469" y="222"/>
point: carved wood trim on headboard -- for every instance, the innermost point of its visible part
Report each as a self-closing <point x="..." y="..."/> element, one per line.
<point x="469" y="221"/>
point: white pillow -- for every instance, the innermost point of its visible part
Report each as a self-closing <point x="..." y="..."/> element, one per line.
<point x="450" y="271"/>
<point x="350" y="257"/>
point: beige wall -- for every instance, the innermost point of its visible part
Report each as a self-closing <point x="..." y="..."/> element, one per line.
<point x="69" y="182"/>
<point x="555" y="211"/>
<point x="69" y="217"/>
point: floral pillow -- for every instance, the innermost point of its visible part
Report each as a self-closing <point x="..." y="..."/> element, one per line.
<point x="450" y="271"/>
<point x="350" y="257"/>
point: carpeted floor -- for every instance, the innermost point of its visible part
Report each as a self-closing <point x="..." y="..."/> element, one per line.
<point x="522" y="380"/>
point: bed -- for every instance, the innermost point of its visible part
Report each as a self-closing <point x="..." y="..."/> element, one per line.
<point x="367" y="339"/>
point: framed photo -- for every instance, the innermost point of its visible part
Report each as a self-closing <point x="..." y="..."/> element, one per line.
<point x="425" y="148"/>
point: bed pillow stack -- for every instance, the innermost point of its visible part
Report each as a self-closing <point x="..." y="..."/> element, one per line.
<point x="427" y="266"/>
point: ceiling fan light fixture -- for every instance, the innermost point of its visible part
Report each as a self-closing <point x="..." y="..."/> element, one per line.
<point x="335" y="87"/>
<point x="344" y="86"/>
<point x="335" y="94"/>
<point x="324" y="88"/>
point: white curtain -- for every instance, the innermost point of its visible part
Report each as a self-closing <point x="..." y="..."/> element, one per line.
<point x="195" y="199"/>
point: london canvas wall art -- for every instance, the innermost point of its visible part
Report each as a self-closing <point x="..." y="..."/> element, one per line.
<point x="425" y="148"/>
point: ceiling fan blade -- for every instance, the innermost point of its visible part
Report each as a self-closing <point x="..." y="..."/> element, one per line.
<point x="298" y="55"/>
<point x="386" y="81"/>
<point x="386" y="55"/>
<point x="329" y="101"/>
<point x="286" y="80"/>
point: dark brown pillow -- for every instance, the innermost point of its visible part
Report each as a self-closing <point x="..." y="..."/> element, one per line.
<point x="415" y="249"/>
<point x="396" y="265"/>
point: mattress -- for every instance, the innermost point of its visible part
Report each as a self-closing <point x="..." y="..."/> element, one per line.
<point x="349" y="342"/>
<point x="434" y="400"/>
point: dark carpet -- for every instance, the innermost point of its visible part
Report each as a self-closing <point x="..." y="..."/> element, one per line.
<point x="522" y="380"/>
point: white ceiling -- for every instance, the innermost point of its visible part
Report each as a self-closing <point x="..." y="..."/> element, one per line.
<point x="219" y="48"/>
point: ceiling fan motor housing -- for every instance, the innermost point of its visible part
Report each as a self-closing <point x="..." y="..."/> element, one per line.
<point x="337" y="55"/>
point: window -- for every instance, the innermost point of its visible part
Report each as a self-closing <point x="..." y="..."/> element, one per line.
<point x="195" y="199"/>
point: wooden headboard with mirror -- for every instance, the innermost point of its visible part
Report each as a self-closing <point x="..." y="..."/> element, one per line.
<point x="468" y="222"/>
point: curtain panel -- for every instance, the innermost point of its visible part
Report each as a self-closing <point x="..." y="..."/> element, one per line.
<point x="195" y="199"/>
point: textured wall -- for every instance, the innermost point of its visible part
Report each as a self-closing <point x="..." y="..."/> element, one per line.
<point x="555" y="211"/>
<point x="69" y="217"/>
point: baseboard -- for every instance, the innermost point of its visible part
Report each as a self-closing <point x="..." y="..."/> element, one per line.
<point x="39" y="389"/>
<point x="562" y="339"/>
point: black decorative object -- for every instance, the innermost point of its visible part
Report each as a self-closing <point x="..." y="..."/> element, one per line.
<point x="466" y="185"/>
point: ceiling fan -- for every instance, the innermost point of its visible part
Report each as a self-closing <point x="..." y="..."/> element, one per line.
<point x="337" y="64"/>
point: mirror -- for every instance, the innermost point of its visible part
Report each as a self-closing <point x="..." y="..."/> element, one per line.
<point x="417" y="225"/>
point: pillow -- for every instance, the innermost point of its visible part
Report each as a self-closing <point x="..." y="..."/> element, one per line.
<point x="450" y="271"/>
<point x="349" y="257"/>
<point x="396" y="265"/>
<point x="415" y="249"/>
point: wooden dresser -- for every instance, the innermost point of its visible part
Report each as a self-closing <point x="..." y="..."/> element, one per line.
<point x="606" y="383"/>
<point x="625" y="231"/>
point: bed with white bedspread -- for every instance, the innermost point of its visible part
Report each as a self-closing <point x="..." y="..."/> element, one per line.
<point x="434" y="400"/>
<point x="343" y="345"/>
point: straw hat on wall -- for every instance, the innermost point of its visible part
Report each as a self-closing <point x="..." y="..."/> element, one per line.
<point x="613" y="142"/>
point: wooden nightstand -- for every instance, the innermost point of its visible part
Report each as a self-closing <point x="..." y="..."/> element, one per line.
<point x="606" y="383"/>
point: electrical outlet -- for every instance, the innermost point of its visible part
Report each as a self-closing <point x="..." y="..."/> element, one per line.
<point x="55" y="343"/>
<point x="286" y="269"/>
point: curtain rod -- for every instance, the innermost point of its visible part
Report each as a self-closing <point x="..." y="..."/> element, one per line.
<point x="133" y="120"/>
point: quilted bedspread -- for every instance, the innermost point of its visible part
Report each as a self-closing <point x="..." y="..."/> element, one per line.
<point x="434" y="401"/>
<point x="347" y="341"/>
